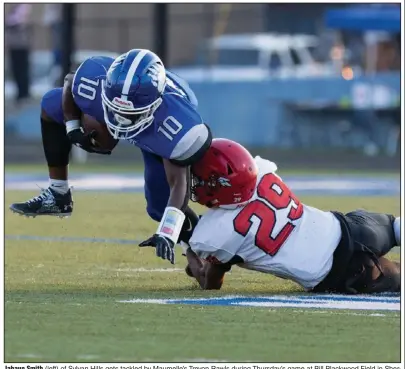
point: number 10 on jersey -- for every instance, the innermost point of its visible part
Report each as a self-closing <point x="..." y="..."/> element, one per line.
<point x="170" y="127"/>
<point x="88" y="88"/>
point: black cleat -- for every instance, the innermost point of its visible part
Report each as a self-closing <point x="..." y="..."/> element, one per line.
<point x="49" y="202"/>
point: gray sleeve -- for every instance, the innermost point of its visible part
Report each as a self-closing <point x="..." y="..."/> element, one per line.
<point x="192" y="146"/>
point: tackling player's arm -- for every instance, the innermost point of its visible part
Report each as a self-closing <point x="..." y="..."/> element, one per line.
<point x="210" y="276"/>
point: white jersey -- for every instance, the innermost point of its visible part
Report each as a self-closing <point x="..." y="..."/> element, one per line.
<point x="273" y="233"/>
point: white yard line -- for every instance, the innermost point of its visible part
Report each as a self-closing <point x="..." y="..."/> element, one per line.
<point x="375" y="304"/>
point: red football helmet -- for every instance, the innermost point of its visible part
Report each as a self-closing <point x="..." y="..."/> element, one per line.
<point x="226" y="175"/>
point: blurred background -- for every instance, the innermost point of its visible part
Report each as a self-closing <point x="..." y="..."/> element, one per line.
<point x="306" y="85"/>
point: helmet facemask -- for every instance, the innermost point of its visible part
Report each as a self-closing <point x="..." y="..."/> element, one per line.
<point x="205" y="192"/>
<point x="123" y="120"/>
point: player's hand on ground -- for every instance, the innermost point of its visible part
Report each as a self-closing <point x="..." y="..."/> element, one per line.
<point x="86" y="141"/>
<point x="164" y="247"/>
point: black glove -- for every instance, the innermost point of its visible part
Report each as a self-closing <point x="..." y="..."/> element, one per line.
<point x="164" y="246"/>
<point x="86" y="141"/>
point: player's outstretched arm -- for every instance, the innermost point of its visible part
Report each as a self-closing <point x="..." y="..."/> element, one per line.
<point x="168" y="232"/>
<point x="209" y="276"/>
<point x="177" y="178"/>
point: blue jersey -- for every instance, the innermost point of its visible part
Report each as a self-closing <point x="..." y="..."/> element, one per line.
<point x="86" y="90"/>
<point x="177" y="133"/>
<point x="86" y="87"/>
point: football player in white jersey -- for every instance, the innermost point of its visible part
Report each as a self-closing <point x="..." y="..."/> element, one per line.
<point x="256" y="222"/>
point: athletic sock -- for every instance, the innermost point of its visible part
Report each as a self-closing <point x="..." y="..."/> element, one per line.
<point x="59" y="185"/>
<point x="397" y="230"/>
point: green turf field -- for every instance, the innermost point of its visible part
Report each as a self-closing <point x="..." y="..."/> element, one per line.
<point x="138" y="167"/>
<point x="62" y="298"/>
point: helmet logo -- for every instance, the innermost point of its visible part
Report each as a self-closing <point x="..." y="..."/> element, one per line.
<point x="171" y="84"/>
<point x="117" y="61"/>
<point x="123" y="103"/>
<point x="158" y="75"/>
<point x="224" y="182"/>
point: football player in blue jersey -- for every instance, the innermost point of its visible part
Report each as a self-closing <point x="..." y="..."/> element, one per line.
<point x="144" y="104"/>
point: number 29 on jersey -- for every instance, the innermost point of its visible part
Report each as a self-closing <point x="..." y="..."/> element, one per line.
<point x="273" y="195"/>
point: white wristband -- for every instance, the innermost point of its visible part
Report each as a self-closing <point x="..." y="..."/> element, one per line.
<point x="171" y="223"/>
<point x="71" y="125"/>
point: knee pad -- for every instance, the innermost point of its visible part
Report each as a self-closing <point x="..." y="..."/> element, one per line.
<point x="397" y="230"/>
<point x="56" y="143"/>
